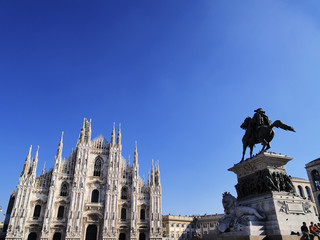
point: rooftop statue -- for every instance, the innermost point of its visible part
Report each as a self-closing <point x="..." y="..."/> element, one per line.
<point x="259" y="129"/>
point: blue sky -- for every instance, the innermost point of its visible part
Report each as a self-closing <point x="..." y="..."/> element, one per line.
<point x="180" y="77"/>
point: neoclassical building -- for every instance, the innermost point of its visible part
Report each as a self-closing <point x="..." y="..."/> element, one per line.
<point x="302" y="187"/>
<point x="189" y="227"/>
<point x="313" y="170"/>
<point x="94" y="194"/>
<point x="178" y="227"/>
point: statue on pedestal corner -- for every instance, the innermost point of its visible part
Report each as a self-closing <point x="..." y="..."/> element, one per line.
<point x="235" y="215"/>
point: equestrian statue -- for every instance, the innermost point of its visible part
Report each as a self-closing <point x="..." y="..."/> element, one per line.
<point x="260" y="130"/>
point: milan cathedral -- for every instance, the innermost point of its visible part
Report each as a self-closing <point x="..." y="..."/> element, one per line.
<point x="94" y="194"/>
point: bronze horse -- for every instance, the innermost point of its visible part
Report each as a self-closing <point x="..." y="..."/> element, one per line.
<point x="264" y="135"/>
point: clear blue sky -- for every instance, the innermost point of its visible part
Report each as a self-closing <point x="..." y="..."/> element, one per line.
<point x="180" y="76"/>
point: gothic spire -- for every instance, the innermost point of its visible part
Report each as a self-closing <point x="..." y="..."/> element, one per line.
<point x="128" y="162"/>
<point x="157" y="167"/>
<point x="157" y="174"/>
<point x="119" y="135"/>
<point x="152" y="174"/>
<point x="89" y="131"/>
<point x="85" y="133"/>
<point x="113" y="134"/>
<point x="44" y="168"/>
<point x="26" y="166"/>
<point x="59" y="151"/>
<point x="152" y="167"/>
<point x="135" y="156"/>
<point x="35" y="162"/>
<point x="82" y="132"/>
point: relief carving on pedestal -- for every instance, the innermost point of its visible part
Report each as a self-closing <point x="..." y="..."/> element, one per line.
<point x="264" y="181"/>
<point x="291" y="207"/>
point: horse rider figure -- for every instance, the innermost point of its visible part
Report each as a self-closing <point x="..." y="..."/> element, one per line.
<point x="259" y="129"/>
<point x="259" y="119"/>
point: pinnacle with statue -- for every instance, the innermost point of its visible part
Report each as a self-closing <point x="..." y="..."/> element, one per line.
<point x="259" y="129"/>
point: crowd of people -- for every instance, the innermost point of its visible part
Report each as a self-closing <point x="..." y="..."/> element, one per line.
<point x="308" y="233"/>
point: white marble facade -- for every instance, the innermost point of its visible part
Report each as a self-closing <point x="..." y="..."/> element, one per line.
<point x="94" y="194"/>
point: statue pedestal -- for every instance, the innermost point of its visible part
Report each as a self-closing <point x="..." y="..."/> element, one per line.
<point x="264" y="185"/>
<point x="262" y="174"/>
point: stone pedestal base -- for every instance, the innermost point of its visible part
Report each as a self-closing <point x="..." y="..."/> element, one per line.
<point x="279" y="237"/>
<point x="264" y="185"/>
<point x="284" y="212"/>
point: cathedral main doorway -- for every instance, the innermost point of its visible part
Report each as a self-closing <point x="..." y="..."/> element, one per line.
<point x="32" y="236"/>
<point x="57" y="236"/>
<point x="122" y="236"/>
<point x="142" y="236"/>
<point x="91" y="232"/>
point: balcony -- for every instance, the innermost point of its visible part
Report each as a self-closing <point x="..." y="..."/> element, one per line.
<point x="93" y="206"/>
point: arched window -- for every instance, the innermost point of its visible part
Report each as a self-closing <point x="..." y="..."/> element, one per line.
<point x="97" y="167"/>
<point x="316" y="179"/>
<point x="95" y="196"/>
<point x="37" y="211"/>
<point x="123" y="214"/>
<point x="60" y="212"/>
<point x="124" y="193"/>
<point x="308" y="193"/>
<point x="301" y="193"/>
<point x="64" y="189"/>
<point x="142" y="214"/>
